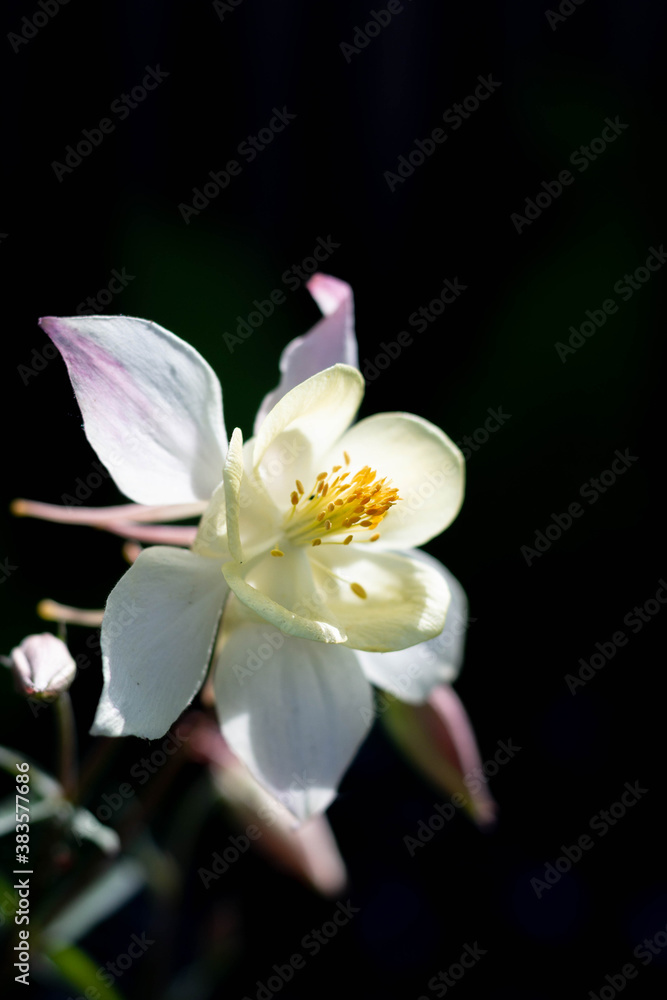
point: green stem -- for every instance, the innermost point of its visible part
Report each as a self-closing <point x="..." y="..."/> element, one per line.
<point x="67" y="739"/>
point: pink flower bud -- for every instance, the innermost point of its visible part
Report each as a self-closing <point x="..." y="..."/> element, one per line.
<point x="42" y="666"/>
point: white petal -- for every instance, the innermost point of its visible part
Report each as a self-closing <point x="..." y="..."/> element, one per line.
<point x="151" y="405"/>
<point x="303" y="426"/>
<point x="157" y="635"/>
<point x="406" y="598"/>
<point x="422" y="462"/>
<point x="233" y="474"/>
<point x="257" y="520"/>
<point x="211" y="539"/>
<point x="331" y="341"/>
<point x="281" y="590"/>
<point x="411" y="674"/>
<point x="294" y="711"/>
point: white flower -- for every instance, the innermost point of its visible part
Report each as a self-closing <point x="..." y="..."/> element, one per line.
<point x="307" y="542"/>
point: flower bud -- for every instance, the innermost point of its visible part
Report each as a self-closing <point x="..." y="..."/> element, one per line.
<point x="42" y="666"/>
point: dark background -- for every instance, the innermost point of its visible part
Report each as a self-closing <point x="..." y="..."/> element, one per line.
<point x="323" y="176"/>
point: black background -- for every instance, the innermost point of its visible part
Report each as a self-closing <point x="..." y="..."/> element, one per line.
<point x="324" y="176"/>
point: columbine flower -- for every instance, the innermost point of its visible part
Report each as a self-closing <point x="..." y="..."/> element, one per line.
<point x="307" y="541"/>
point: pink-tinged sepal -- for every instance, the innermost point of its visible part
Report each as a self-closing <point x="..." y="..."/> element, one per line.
<point x="151" y="405"/>
<point x="331" y="341"/>
<point x="438" y="738"/>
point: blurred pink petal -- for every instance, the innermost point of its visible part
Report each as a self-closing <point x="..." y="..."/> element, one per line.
<point x="439" y="739"/>
<point x="308" y="851"/>
<point x="131" y="552"/>
<point x="331" y="341"/>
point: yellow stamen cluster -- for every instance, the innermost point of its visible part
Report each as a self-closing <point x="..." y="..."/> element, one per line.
<point x="338" y="504"/>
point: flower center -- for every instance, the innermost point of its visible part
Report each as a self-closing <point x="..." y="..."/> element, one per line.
<point x="339" y="505"/>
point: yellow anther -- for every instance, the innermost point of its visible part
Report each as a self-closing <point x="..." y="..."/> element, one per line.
<point x="316" y="541"/>
<point x="358" y="501"/>
<point x="276" y="552"/>
<point x="374" y="538"/>
<point x="357" y="589"/>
